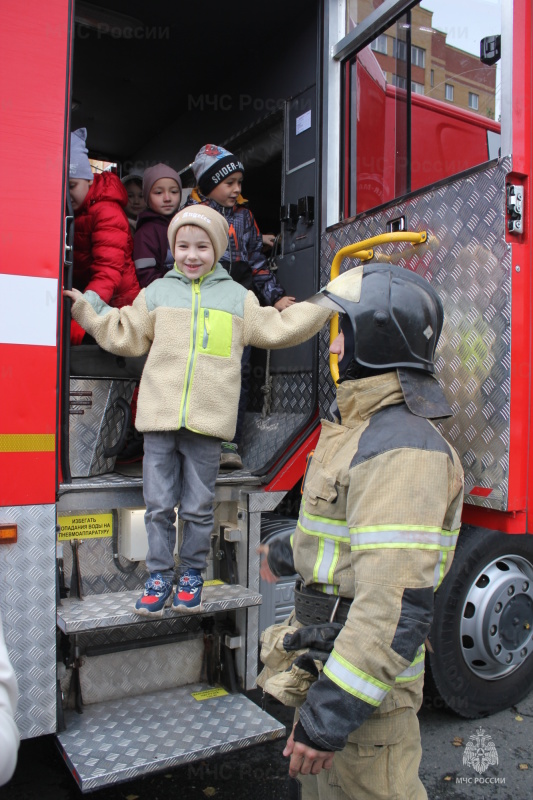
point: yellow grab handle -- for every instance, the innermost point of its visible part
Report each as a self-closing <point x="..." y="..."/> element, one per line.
<point x="364" y="252"/>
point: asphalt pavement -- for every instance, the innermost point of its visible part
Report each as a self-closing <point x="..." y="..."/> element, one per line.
<point x="452" y="747"/>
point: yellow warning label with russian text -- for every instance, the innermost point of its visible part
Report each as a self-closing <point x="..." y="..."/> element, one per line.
<point x="207" y="694"/>
<point x="92" y="526"/>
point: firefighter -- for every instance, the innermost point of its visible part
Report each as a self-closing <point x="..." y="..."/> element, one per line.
<point x="378" y="524"/>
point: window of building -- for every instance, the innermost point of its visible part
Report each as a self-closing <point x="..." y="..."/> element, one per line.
<point x="418" y="56"/>
<point x="379" y="45"/>
<point x="399" y="49"/>
<point x="417" y="88"/>
<point x="399" y="81"/>
<point x="432" y="77"/>
<point x="473" y="101"/>
<point x="448" y="91"/>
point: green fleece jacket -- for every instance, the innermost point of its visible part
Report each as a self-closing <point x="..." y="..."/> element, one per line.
<point x="194" y="332"/>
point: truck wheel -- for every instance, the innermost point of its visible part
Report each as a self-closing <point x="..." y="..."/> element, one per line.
<point x="482" y="632"/>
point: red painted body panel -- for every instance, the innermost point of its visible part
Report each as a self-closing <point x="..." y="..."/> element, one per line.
<point x="291" y="472"/>
<point x="34" y="69"/>
<point x="521" y="451"/>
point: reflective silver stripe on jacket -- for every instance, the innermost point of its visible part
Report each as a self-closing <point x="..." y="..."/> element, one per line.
<point x="310" y="523"/>
<point x="330" y="534"/>
<point x="355" y="681"/>
<point x="415" y="536"/>
<point x="416" y="669"/>
<point x="144" y="263"/>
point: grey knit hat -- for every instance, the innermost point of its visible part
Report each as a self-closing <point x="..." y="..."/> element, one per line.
<point x="79" y="161"/>
<point x="212" y="165"/>
<point x="204" y="217"/>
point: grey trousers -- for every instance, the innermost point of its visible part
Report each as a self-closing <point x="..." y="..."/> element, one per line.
<point x="179" y="468"/>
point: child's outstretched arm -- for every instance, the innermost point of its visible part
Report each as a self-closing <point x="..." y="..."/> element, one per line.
<point x="126" y="331"/>
<point x="284" y="302"/>
<point x="267" y="328"/>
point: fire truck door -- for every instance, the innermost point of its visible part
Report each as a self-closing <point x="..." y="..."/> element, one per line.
<point x="35" y="46"/>
<point x="297" y="271"/>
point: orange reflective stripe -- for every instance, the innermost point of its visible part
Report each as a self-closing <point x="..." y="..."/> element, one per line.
<point x="27" y="442"/>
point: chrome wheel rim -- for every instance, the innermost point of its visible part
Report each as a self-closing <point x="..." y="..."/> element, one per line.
<point x="497" y="618"/>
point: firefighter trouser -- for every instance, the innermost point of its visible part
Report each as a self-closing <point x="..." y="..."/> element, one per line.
<point x="379" y="762"/>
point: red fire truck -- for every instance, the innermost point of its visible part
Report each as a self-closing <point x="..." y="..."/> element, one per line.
<point x="398" y="130"/>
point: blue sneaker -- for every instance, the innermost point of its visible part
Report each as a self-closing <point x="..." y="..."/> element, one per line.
<point x="188" y="595"/>
<point x="157" y="595"/>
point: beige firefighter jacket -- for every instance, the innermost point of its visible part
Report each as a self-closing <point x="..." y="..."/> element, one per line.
<point x="378" y="523"/>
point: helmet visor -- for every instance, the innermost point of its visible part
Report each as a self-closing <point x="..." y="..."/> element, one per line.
<point x="345" y="287"/>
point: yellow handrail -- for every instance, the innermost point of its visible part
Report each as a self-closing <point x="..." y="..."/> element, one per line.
<point x="364" y="252"/>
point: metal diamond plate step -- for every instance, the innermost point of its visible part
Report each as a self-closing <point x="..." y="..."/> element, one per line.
<point x="125" y="489"/>
<point x="118" y="741"/>
<point x="111" y="610"/>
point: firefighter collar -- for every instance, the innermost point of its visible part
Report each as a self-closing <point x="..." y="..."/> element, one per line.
<point x="423" y="394"/>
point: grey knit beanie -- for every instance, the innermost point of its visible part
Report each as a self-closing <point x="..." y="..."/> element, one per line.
<point x="79" y="161"/>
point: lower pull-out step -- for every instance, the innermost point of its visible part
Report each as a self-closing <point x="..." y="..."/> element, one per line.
<point x="118" y="741"/>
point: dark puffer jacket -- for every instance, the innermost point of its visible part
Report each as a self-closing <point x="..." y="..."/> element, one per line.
<point x="103" y="246"/>
<point x="151" y="250"/>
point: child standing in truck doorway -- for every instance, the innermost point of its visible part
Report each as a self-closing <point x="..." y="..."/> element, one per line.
<point x="194" y="323"/>
<point x="162" y="195"/>
<point x="219" y="175"/>
<point x="136" y="202"/>
<point x="103" y="243"/>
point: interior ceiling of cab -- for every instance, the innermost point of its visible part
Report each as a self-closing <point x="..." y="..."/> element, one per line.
<point x="141" y="64"/>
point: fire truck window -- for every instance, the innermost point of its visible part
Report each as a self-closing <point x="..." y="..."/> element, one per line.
<point x="357" y="10"/>
<point x="420" y="105"/>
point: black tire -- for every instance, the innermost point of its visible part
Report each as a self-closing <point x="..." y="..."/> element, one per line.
<point x="482" y="632"/>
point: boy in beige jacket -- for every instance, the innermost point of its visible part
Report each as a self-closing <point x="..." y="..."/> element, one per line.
<point x="194" y="323"/>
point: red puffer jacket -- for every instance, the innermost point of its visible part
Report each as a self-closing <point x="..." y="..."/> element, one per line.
<point x="103" y="246"/>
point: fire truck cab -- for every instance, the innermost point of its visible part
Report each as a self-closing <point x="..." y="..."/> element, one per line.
<point x="357" y="122"/>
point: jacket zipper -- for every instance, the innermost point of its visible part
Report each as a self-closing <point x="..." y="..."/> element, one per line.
<point x="192" y="353"/>
<point x="206" y="328"/>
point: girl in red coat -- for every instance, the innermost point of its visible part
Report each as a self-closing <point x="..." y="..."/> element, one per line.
<point x="103" y="244"/>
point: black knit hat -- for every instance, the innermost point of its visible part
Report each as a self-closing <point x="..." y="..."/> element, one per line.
<point x="212" y="165"/>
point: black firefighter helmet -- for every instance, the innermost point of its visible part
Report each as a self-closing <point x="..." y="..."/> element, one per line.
<point x="391" y="318"/>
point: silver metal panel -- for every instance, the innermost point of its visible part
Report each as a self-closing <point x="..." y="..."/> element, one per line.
<point x="257" y="503"/>
<point x="263" y="437"/>
<point x="130" y="673"/>
<point x="100" y="572"/>
<point x="27" y="599"/>
<point x="122" y="740"/>
<point x="264" y="501"/>
<point x="278" y="602"/>
<point x="109" y="610"/>
<point x="117" y="490"/>
<point x="113" y="481"/>
<point x="469" y="263"/>
<point x="252" y="622"/>
<point x="147" y="631"/>
<point x="368" y="28"/>
<point x="506" y="85"/>
<point x="95" y="423"/>
<point x="334" y="30"/>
